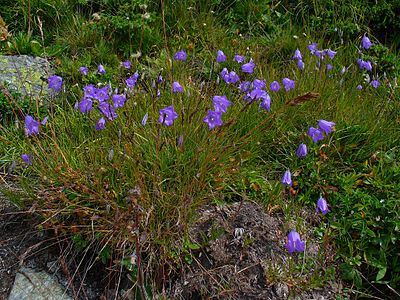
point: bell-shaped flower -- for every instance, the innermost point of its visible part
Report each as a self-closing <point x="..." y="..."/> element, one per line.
<point x="266" y="102"/>
<point x="221" y="57"/>
<point x="101" y="69"/>
<point x="300" y="65"/>
<point x="100" y="125"/>
<point x="375" y="83"/>
<point x="331" y="53"/>
<point x="180" y="55"/>
<point x="119" y="100"/>
<point x="366" y="43"/>
<point x="176" y="87"/>
<point x="297" y="55"/>
<point x="126" y="64"/>
<point x="288" y="84"/>
<point x="107" y="110"/>
<point x="248" y="68"/>
<point x="85" y="105"/>
<point x="131" y="81"/>
<point x="322" y="206"/>
<point x="221" y="103"/>
<point x="315" y="134"/>
<point x="55" y="83"/>
<point x="287" y="178"/>
<point x="84" y="70"/>
<point x="239" y="59"/>
<point x="301" y="151"/>
<point x="31" y="126"/>
<point x="26" y="159"/>
<point x="259" y="84"/>
<point x="326" y="126"/>
<point x="275" y="86"/>
<point x="294" y="242"/>
<point x="167" y="115"/>
<point x="213" y="119"/>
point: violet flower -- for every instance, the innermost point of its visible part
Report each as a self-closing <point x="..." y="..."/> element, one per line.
<point x="301" y="151"/>
<point x="315" y="134"/>
<point x="288" y="84"/>
<point x="167" y="115"/>
<point x="176" y="87"/>
<point x="180" y="55"/>
<point x="287" y="178"/>
<point x="55" y="83"/>
<point x="294" y="242"/>
<point x="221" y="57"/>
<point x="326" y="126"/>
<point x="213" y="119"/>
<point x="322" y="206"/>
<point x="275" y="86"/>
<point x="221" y="103"/>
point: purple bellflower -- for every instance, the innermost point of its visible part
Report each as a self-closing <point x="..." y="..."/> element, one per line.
<point x="275" y="86"/>
<point x="239" y="59"/>
<point x="294" y="242"/>
<point x="176" y="87"/>
<point x="315" y="134"/>
<point x="126" y="64"/>
<point x="167" y="115"/>
<point x="287" y="178"/>
<point x="313" y="48"/>
<point x="44" y="120"/>
<point x="233" y="77"/>
<point x="288" y="84"/>
<point x="300" y="65"/>
<point x="131" y="81"/>
<point x="359" y="87"/>
<point x="326" y="126"/>
<point x="181" y="55"/>
<point x="31" y="126"/>
<point x="375" y="83"/>
<point x="213" y="119"/>
<point x="322" y="206"/>
<point x="85" y="105"/>
<point x="89" y="91"/>
<point x="329" y="67"/>
<point x="101" y="69"/>
<point x="248" y="68"/>
<point x="331" y="53"/>
<point x="366" y="43"/>
<point x="297" y="55"/>
<point x="102" y="94"/>
<point x="301" y="151"/>
<point x="84" y="70"/>
<point x="266" y="102"/>
<point x="221" y="103"/>
<point x="26" y="159"/>
<point x="107" y="110"/>
<point x="119" y="100"/>
<point x="55" y="83"/>
<point x="259" y="84"/>
<point x="221" y="57"/>
<point x="100" y="125"/>
<point x="144" y="120"/>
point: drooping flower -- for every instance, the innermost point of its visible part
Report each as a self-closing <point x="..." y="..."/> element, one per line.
<point x="26" y="159"/>
<point x="85" y="105"/>
<point x="233" y="77"/>
<point x="313" y="48"/>
<point x="322" y="206"/>
<point x="315" y="134"/>
<point x="167" y="115"/>
<point x="126" y="64"/>
<point x="326" y="126"/>
<point x="320" y="54"/>
<point x="300" y="64"/>
<point x="100" y="125"/>
<point x="275" y="86"/>
<point x="221" y="103"/>
<point x="44" y="120"/>
<point x="131" y="81"/>
<point x="84" y="70"/>
<point x="343" y="70"/>
<point x="288" y="84"/>
<point x="256" y="94"/>
<point x="375" y="83"/>
<point x="331" y="53"/>
<point x="176" y="87"/>
<point x="329" y="67"/>
<point x="101" y="69"/>
<point x="259" y="84"/>
<point x="213" y="119"/>
<point x="359" y="87"/>
<point x="266" y="102"/>
<point x="366" y="43"/>
<point x="294" y="242"/>
<point x="107" y="110"/>
<point x="102" y="94"/>
<point x="239" y="59"/>
<point x="301" y="151"/>
<point x="31" y="126"/>
<point x="364" y="64"/>
<point x="221" y="57"/>
<point x="55" y="83"/>
<point x="89" y="91"/>
<point x="144" y="120"/>
<point x="287" y="178"/>
<point x="248" y="68"/>
<point x="119" y="100"/>
<point x="297" y="55"/>
<point x="158" y="94"/>
<point x="180" y="55"/>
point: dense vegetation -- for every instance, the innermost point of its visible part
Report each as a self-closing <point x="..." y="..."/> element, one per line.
<point x="140" y="178"/>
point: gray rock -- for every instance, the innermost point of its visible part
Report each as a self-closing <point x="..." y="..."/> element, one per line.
<point x="281" y="290"/>
<point x="32" y="285"/>
<point x="25" y="74"/>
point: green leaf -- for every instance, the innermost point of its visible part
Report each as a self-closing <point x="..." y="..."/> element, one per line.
<point x="381" y="273"/>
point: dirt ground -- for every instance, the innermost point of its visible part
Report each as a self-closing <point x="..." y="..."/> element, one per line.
<point x="242" y="256"/>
